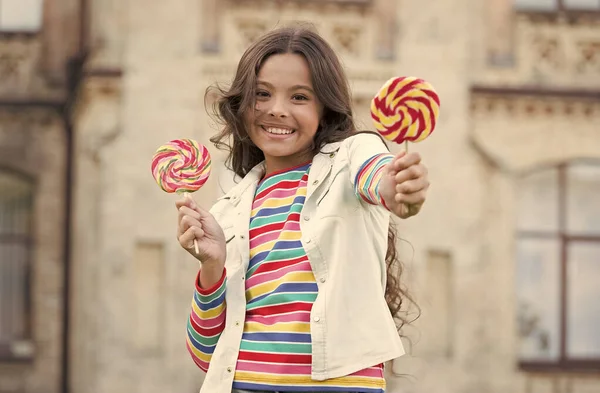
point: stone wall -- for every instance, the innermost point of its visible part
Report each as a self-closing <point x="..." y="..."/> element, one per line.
<point x="33" y="143"/>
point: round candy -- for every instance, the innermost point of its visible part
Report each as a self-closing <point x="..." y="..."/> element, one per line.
<point x="405" y="109"/>
<point x="182" y="165"/>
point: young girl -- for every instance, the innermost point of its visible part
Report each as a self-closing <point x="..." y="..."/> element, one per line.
<point x="297" y="289"/>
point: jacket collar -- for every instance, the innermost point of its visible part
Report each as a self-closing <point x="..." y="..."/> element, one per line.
<point x="320" y="168"/>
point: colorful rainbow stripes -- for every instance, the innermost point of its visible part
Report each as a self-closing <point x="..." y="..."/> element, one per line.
<point x="182" y="165"/>
<point x="366" y="184"/>
<point x="405" y="109"/>
<point x="276" y="350"/>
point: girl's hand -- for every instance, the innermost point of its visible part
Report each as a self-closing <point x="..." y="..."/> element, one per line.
<point x="404" y="184"/>
<point x="197" y="223"/>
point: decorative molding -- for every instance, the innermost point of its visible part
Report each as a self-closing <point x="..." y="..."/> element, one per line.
<point x="19" y="131"/>
<point x="550" y="52"/>
<point x="589" y="56"/>
<point x="97" y="114"/>
<point x="250" y="30"/>
<point x="522" y="128"/>
<point x="347" y="39"/>
<point x="581" y="18"/>
<point x="18" y="58"/>
<point x="535" y="103"/>
<point x="533" y="107"/>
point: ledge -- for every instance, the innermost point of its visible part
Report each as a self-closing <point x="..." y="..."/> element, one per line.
<point x="572" y="16"/>
<point x="533" y="91"/>
<point x="583" y="367"/>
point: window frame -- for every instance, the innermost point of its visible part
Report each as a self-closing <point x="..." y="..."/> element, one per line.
<point x="7" y="348"/>
<point x="565" y="239"/>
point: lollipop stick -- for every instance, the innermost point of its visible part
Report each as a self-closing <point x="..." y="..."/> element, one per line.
<point x="187" y="195"/>
<point x="406" y="147"/>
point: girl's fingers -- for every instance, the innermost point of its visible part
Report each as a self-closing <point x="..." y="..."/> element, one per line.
<point x="186" y="211"/>
<point x="406" y="160"/>
<point x="188" y="222"/>
<point x="190" y="204"/>
<point x="187" y="238"/>
<point x="417" y="198"/>
<point x="412" y="172"/>
<point x="412" y="186"/>
<point x="187" y="202"/>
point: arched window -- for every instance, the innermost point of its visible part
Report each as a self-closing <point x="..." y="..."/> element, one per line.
<point x="558" y="267"/>
<point x="16" y="203"/>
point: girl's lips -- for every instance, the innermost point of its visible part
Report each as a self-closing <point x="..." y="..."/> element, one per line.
<point x="277" y="135"/>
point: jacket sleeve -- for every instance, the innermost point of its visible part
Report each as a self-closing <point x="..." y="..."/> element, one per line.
<point x="206" y="321"/>
<point x="367" y="156"/>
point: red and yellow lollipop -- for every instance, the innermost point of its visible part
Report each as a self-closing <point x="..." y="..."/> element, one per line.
<point x="181" y="166"/>
<point x="405" y="110"/>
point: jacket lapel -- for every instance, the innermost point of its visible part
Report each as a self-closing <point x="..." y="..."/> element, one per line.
<point x="321" y="167"/>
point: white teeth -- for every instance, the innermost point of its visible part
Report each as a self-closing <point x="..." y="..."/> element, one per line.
<point x="278" y="131"/>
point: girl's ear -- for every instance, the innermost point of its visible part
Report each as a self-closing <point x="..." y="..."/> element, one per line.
<point x="322" y="124"/>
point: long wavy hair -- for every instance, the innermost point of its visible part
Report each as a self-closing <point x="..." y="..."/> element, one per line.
<point x="336" y="124"/>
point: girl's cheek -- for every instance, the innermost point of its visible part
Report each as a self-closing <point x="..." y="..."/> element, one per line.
<point x="259" y="110"/>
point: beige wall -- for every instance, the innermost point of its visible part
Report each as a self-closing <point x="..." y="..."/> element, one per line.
<point x="151" y="62"/>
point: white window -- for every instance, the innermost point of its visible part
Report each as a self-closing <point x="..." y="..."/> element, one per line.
<point x="537" y="5"/>
<point x="582" y="4"/>
<point x="21" y="15"/>
<point x="16" y="204"/>
<point x="558" y="267"/>
<point x="555" y="5"/>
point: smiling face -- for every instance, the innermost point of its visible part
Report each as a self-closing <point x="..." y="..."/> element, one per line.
<point x="287" y="112"/>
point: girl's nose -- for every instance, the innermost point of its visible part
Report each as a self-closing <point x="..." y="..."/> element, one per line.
<point x="277" y="110"/>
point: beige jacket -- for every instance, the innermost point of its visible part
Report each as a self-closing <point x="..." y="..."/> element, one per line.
<point x="345" y="240"/>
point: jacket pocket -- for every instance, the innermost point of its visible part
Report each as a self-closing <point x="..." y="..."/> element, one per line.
<point x="328" y="186"/>
<point x="338" y="198"/>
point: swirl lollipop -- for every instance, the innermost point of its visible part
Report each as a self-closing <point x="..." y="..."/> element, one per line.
<point x="181" y="166"/>
<point x="405" y="110"/>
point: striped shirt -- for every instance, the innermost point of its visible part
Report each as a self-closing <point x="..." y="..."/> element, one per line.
<point x="275" y="351"/>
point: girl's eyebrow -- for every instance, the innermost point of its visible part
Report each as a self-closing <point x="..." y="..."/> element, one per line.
<point x="295" y="87"/>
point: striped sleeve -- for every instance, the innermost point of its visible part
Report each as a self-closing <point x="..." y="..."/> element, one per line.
<point x="206" y="322"/>
<point x="366" y="183"/>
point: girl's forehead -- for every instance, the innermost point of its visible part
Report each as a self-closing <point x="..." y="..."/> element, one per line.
<point x="284" y="69"/>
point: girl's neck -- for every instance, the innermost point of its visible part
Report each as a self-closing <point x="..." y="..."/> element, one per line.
<point x="281" y="164"/>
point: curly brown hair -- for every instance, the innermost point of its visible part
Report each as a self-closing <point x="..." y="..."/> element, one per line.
<point x="337" y="123"/>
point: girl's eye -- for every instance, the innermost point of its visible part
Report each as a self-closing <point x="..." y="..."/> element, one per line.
<point x="299" y="97"/>
<point x="261" y="93"/>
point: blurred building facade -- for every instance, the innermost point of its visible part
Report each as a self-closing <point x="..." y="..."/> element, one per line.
<point x="94" y="289"/>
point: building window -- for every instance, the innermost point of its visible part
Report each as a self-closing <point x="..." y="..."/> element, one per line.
<point x="21" y="15"/>
<point x="558" y="267"/>
<point x="16" y="203"/>
<point x="557" y="5"/>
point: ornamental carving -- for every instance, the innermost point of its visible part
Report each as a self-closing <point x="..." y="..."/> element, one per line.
<point x="588" y="60"/>
<point x="18" y="56"/>
<point x="250" y="31"/>
<point x="550" y="52"/>
<point x="347" y="39"/>
<point x="536" y="107"/>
